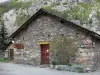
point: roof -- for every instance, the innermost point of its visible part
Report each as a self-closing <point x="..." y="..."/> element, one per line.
<point x="44" y="12"/>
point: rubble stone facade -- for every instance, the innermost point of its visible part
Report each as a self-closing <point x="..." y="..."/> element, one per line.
<point x="45" y="28"/>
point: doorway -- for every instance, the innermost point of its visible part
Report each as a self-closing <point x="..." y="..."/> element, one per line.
<point x="11" y="54"/>
<point x="44" y="53"/>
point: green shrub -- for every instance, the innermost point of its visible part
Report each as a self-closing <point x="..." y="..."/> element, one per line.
<point x="81" y="71"/>
<point x="55" y="4"/>
<point x="97" y="1"/>
<point x="69" y="64"/>
<point x="13" y="5"/>
<point x="3" y="59"/>
<point x="78" y="68"/>
<point x="79" y="12"/>
<point x="62" y="49"/>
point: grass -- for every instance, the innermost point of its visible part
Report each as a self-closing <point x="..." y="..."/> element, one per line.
<point x="3" y="59"/>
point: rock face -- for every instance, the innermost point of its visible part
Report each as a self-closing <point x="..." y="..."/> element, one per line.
<point x="9" y="21"/>
<point x="45" y="28"/>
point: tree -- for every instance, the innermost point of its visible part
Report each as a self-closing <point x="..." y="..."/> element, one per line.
<point x="3" y="36"/>
<point x="63" y="49"/>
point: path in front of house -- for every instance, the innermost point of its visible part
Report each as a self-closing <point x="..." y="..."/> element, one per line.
<point x="18" y="69"/>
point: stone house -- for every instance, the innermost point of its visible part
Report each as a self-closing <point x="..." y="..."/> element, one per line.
<point x="31" y="41"/>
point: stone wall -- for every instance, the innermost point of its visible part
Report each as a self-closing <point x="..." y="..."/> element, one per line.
<point x="45" y="29"/>
<point x="2" y="54"/>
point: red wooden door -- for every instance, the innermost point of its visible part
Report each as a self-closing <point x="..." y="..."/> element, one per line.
<point x="45" y="54"/>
